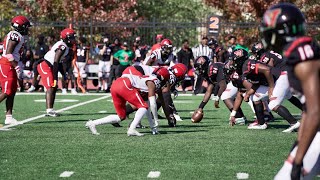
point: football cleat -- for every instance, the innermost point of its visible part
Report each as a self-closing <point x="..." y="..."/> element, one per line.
<point x="73" y="91"/>
<point x="155" y="131"/>
<point x="133" y="132"/>
<point x="31" y="89"/>
<point x="11" y="121"/>
<point x="178" y="118"/>
<point x="92" y="127"/>
<point x="258" y="126"/>
<point x="53" y="114"/>
<point x="241" y="121"/>
<point x="293" y="127"/>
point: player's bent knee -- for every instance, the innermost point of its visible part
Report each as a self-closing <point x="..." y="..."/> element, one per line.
<point x="273" y="105"/>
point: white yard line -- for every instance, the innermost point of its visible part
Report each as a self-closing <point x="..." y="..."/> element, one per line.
<point x="60" y="110"/>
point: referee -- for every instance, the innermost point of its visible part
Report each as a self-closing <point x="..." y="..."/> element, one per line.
<point x="201" y="50"/>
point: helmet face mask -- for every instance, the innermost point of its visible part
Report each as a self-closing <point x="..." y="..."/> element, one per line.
<point x="166" y="46"/>
<point x="281" y="24"/>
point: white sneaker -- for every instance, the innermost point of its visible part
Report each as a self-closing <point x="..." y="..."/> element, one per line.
<point x="292" y="127"/>
<point x="133" y="132"/>
<point x="177" y="117"/>
<point x="64" y="91"/>
<point x="31" y="89"/>
<point x="258" y="126"/>
<point x="155" y="131"/>
<point x="241" y="121"/>
<point x="73" y="91"/>
<point x="11" y="121"/>
<point x="92" y="127"/>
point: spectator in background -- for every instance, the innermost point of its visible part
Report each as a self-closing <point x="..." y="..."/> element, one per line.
<point x="28" y="61"/>
<point x="116" y="46"/>
<point x="185" y="56"/>
<point x="201" y="50"/>
<point x="140" y="51"/>
<point x="231" y="44"/>
<point x="51" y="40"/>
<point x="105" y="65"/>
<point x="125" y="57"/>
<point x="159" y="38"/>
<point x="242" y="44"/>
<point x="81" y="61"/>
<point x="40" y="50"/>
<point x="66" y="71"/>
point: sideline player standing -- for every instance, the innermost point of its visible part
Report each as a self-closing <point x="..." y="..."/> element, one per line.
<point x="48" y="67"/>
<point x="10" y="71"/>
<point x="283" y="30"/>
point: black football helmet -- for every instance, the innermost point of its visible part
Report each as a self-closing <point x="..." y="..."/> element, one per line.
<point x="201" y="65"/>
<point x="257" y="49"/>
<point x="281" y="24"/>
<point x="239" y="56"/>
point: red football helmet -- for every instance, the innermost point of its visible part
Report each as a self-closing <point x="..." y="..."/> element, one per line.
<point x="162" y="74"/>
<point x="21" y="24"/>
<point x="166" y="46"/>
<point x="179" y="70"/>
<point x="68" y="36"/>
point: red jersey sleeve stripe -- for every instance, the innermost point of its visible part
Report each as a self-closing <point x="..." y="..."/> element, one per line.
<point x="295" y="44"/>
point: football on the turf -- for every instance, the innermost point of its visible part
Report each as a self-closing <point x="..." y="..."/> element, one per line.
<point x="197" y="116"/>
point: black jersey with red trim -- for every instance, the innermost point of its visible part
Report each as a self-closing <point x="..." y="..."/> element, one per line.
<point x="278" y="61"/>
<point x="300" y="50"/>
<point x="82" y="53"/>
<point x="250" y="72"/>
<point x="215" y="73"/>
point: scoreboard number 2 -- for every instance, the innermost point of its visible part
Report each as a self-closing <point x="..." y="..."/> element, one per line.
<point x="214" y="24"/>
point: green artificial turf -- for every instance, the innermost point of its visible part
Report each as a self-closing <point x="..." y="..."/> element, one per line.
<point x="211" y="149"/>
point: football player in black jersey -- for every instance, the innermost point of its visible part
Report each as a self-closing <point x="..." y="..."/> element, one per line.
<point x="274" y="59"/>
<point x="261" y="76"/>
<point x="213" y="73"/>
<point x="283" y="30"/>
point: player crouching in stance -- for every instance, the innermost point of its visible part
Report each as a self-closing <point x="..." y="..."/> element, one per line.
<point x="130" y="88"/>
<point x="10" y="71"/>
<point x="283" y="30"/>
<point x="214" y="75"/>
<point x="48" y="67"/>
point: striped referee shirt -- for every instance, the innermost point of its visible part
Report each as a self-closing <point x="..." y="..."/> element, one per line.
<point x="202" y="50"/>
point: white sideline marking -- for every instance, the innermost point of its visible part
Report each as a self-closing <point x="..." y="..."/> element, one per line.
<point x="242" y="175"/>
<point x="102" y="112"/>
<point x="154" y="174"/>
<point x="60" y="110"/>
<point x="66" y="174"/>
<point x="184" y="102"/>
<point x="57" y="100"/>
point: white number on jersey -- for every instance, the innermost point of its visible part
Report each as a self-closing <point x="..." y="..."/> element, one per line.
<point x="276" y="54"/>
<point x="80" y="52"/>
<point x="306" y="52"/>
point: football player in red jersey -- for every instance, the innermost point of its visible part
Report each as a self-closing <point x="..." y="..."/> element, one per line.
<point x="10" y="71"/>
<point x="283" y="30"/>
<point x="48" y="67"/>
<point x="161" y="56"/>
<point x="130" y="88"/>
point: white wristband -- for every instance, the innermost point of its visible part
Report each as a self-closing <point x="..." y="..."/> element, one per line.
<point x="233" y="113"/>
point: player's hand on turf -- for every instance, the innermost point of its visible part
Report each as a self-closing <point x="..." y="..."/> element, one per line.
<point x="232" y="121"/>
<point x="296" y="171"/>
